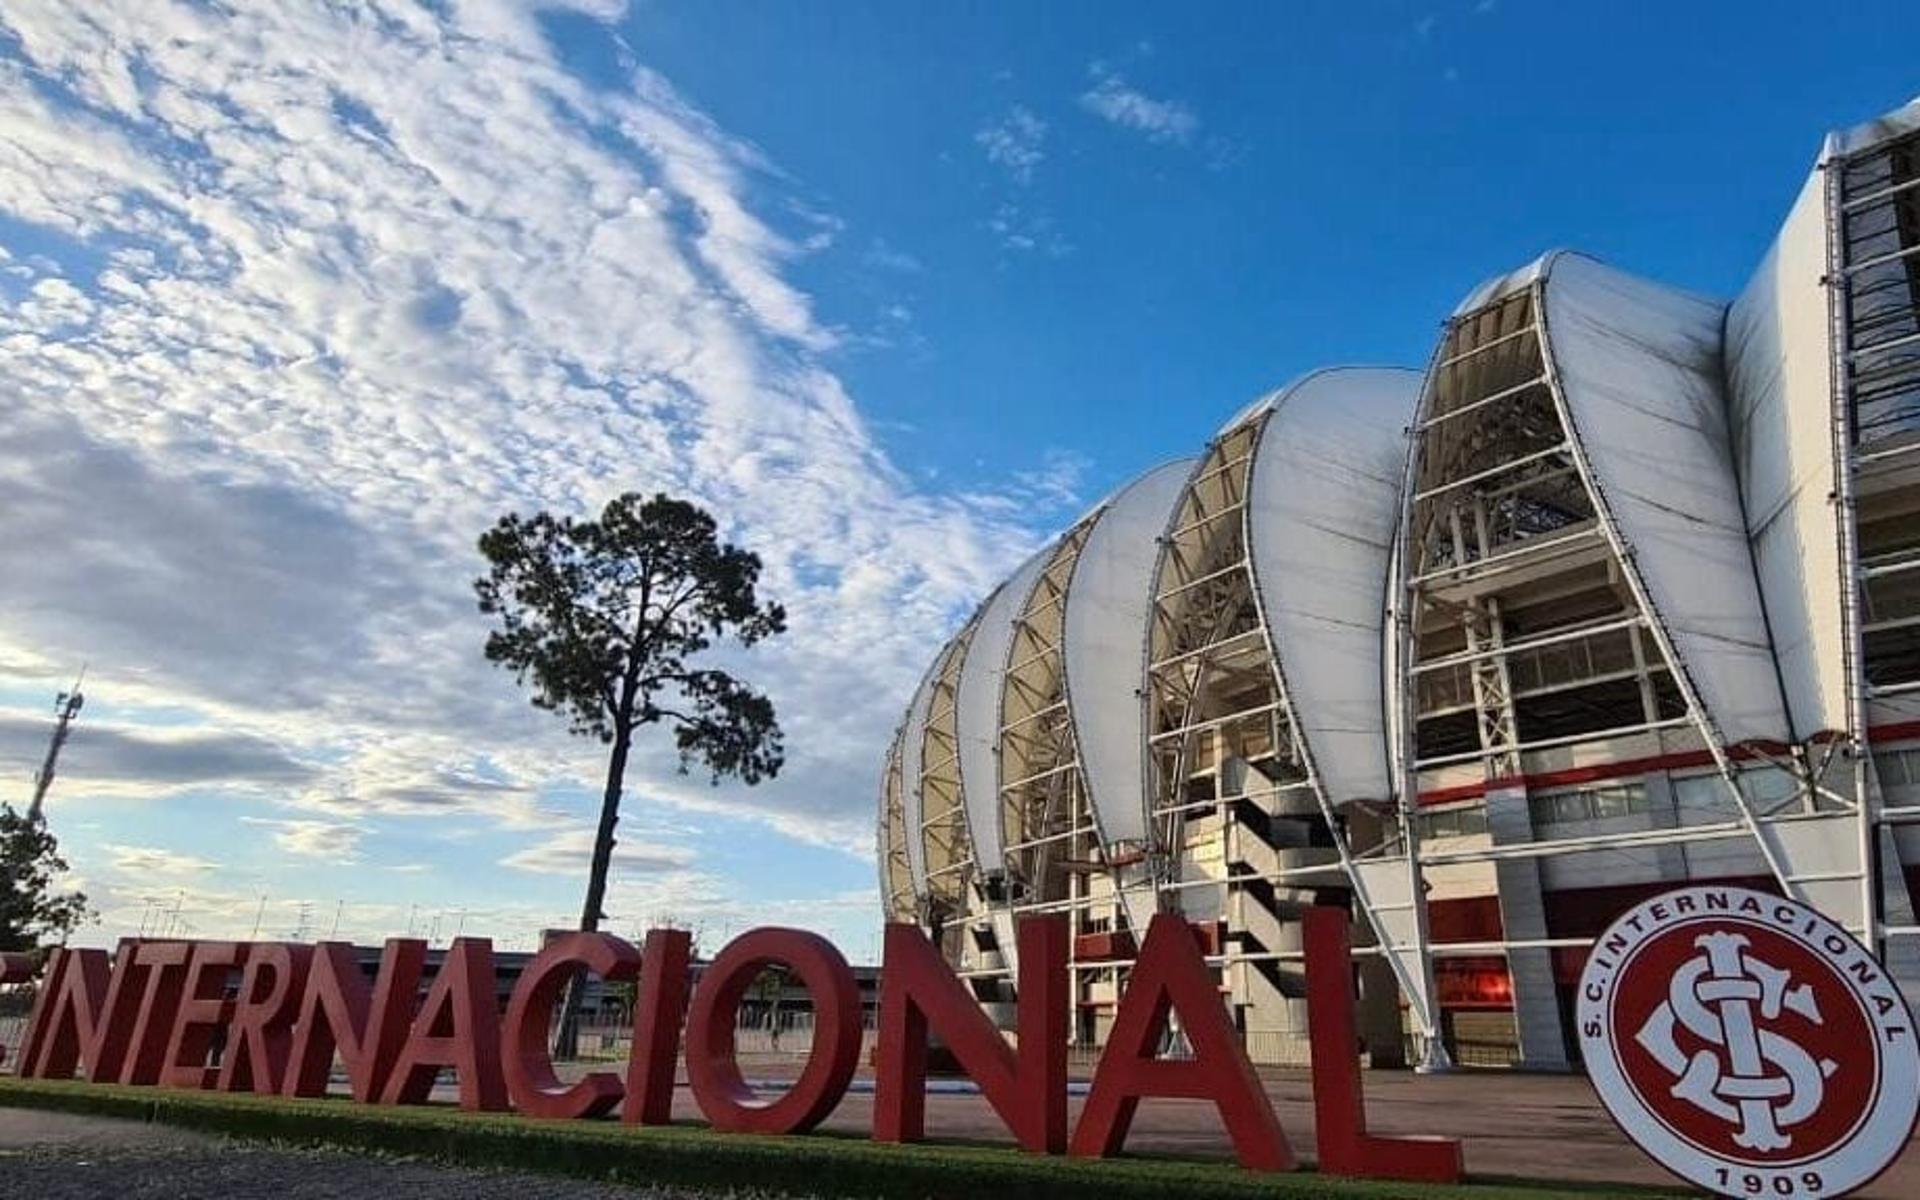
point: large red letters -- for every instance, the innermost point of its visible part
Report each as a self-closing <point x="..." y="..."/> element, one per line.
<point x="149" y="1015"/>
<point x="458" y="1027"/>
<point x="1339" y="1110"/>
<point x="336" y="1012"/>
<point x="1171" y="977"/>
<point x="261" y="1036"/>
<point x="921" y="994"/>
<point x="203" y="1007"/>
<point x="531" y="1083"/>
<point x="165" y="967"/>
<point x="713" y="1072"/>
<point x="657" y="1012"/>
<point x="73" y="1016"/>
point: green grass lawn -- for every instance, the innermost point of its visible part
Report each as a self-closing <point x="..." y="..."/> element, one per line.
<point x="694" y="1156"/>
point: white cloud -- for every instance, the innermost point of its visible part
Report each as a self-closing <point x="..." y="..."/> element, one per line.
<point x="149" y="861"/>
<point x="310" y="299"/>
<point x="1015" y="142"/>
<point x="571" y="853"/>
<point x="329" y="840"/>
<point x="1058" y="479"/>
<point x="884" y="256"/>
<point x="1025" y="228"/>
<point x="114" y="756"/>
<point x="1113" y="99"/>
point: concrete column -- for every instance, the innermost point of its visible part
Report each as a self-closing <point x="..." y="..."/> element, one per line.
<point x="1536" y="1010"/>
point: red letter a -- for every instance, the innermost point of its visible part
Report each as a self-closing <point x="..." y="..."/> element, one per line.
<point x="1170" y="976"/>
<point x="458" y="1027"/>
<point x="337" y="1010"/>
<point x="920" y="993"/>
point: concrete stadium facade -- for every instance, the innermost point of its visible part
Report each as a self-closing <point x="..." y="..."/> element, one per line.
<point x="1622" y="592"/>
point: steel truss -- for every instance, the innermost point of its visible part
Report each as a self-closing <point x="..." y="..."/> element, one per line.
<point x="1218" y="707"/>
<point x="1498" y="473"/>
<point x="1872" y="201"/>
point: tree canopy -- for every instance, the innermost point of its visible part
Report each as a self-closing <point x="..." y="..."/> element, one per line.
<point x="32" y="912"/>
<point x="602" y="618"/>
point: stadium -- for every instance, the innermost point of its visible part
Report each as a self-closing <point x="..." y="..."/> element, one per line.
<point x="1622" y="592"/>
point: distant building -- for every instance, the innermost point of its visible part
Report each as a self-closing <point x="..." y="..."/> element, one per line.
<point x="1624" y="591"/>
<point x="604" y="1008"/>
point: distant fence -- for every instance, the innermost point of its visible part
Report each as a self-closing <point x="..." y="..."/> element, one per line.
<point x="16" y="1001"/>
<point x="752" y="1035"/>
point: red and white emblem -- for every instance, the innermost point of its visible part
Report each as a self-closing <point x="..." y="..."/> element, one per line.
<point x="1749" y="1044"/>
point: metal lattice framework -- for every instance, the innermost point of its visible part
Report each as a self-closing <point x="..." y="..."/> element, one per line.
<point x="1051" y="836"/>
<point x="943" y="822"/>
<point x="1872" y="196"/>
<point x="896" y="871"/>
<point x="1620" y="532"/>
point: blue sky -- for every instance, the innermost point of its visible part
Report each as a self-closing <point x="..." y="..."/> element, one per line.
<point x="294" y="301"/>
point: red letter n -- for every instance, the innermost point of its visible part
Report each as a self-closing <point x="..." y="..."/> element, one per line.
<point x="1171" y="976"/>
<point x="920" y="994"/>
<point x="84" y="1014"/>
<point x="337" y="1012"/>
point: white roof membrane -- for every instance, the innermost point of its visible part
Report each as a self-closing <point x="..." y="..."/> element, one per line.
<point x="1902" y="120"/>
<point x="913" y="740"/>
<point x="1780" y="368"/>
<point x="1639" y="366"/>
<point x="1109" y="602"/>
<point x="1323" y="505"/>
<point x="977" y="713"/>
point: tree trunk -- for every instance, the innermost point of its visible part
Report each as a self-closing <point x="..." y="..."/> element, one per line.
<point x="567" y="1040"/>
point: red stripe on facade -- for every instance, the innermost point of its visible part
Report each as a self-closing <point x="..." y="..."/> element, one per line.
<point x="1680" y="760"/>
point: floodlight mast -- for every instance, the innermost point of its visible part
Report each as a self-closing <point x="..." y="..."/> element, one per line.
<point x="66" y="706"/>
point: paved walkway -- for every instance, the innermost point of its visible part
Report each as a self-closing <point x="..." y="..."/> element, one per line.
<point x="1515" y="1125"/>
<point x="1511" y="1124"/>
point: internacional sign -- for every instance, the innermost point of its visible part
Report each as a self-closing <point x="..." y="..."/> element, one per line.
<point x="147" y="1015"/>
<point x="1749" y="1044"/>
<point x="1744" y="1041"/>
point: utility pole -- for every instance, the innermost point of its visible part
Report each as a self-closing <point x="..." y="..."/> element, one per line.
<point x="66" y="706"/>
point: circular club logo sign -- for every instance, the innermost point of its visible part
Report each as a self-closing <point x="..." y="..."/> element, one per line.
<point x="1749" y="1044"/>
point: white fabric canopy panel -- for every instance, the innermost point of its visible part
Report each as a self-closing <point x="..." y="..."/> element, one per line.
<point x="1780" y="366"/>
<point x="1109" y="600"/>
<point x="977" y="714"/>
<point x="1902" y="120"/>
<point x="1638" y="366"/>
<point x="1322" y="509"/>
<point x="912" y="743"/>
